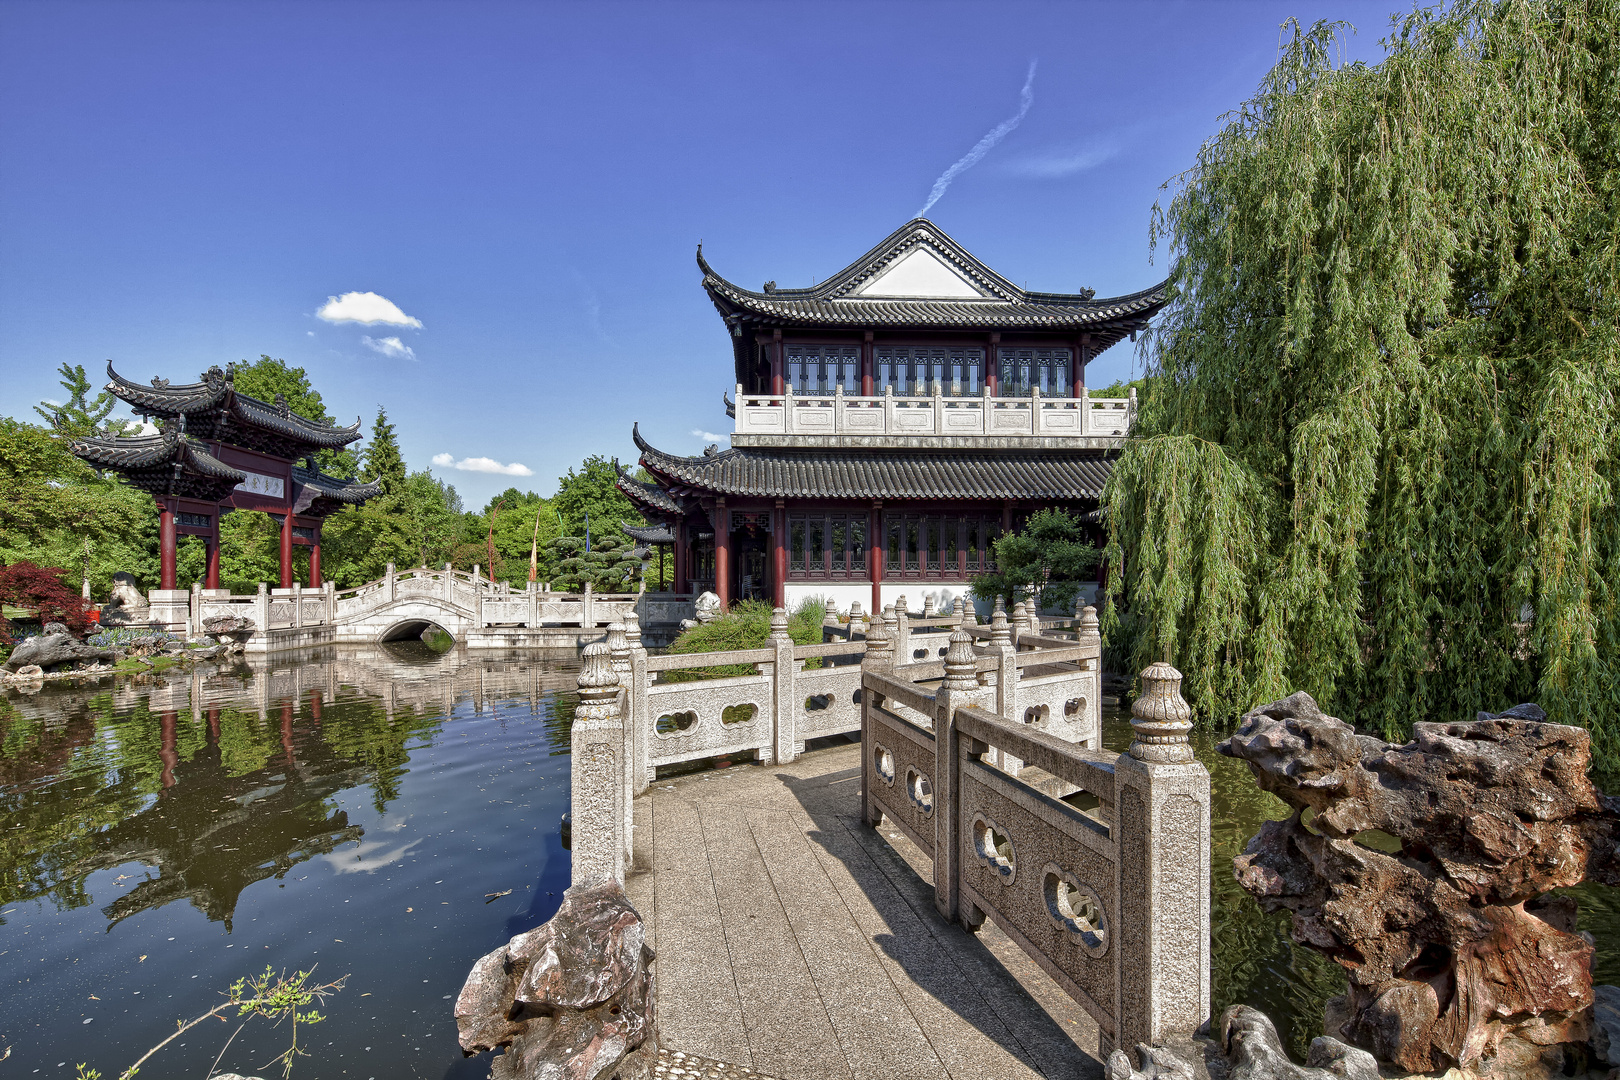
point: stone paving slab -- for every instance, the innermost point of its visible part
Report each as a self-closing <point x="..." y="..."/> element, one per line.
<point x="795" y="941"/>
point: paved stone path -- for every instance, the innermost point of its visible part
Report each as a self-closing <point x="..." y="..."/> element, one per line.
<point x="795" y="941"/>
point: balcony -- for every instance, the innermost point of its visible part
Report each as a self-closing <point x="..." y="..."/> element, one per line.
<point x="935" y="421"/>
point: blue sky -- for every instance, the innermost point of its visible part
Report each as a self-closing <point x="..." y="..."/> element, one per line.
<point x="188" y="184"/>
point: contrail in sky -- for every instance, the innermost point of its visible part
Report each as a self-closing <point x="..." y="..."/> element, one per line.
<point x="1026" y="98"/>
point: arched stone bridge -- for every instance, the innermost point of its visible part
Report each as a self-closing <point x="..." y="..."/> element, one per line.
<point x="404" y="604"/>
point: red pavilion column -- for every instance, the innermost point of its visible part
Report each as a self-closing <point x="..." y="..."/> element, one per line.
<point x="1082" y="351"/>
<point x="682" y="555"/>
<point x="874" y="553"/>
<point x="722" y="554"/>
<point x="315" y="560"/>
<point x="776" y="362"/>
<point x="779" y="556"/>
<point x="867" y="364"/>
<point x="992" y="377"/>
<point x="286" y="550"/>
<point x="168" y="746"/>
<point x="167" y="541"/>
<point x="211" y="576"/>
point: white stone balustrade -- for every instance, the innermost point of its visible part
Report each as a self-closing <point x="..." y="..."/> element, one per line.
<point x="939" y="414"/>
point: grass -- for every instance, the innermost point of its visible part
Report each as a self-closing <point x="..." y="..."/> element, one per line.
<point x="746" y="626"/>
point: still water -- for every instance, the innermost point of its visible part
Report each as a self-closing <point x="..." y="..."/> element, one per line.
<point x="389" y="814"/>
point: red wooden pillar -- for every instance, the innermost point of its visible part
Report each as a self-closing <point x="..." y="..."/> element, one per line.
<point x="286" y="549"/>
<point x="167" y="544"/>
<point x="992" y="378"/>
<point x="874" y="553"/>
<point x="776" y="362"/>
<point x="1006" y="516"/>
<point x="779" y="559"/>
<point x="315" y="560"/>
<point x="682" y="556"/>
<point x="168" y="746"/>
<point x="868" y="362"/>
<point x="722" y="554"/>
<point x="1082" y="351"/>
<point x="287" y="730"/>
<point x="213" y="727"/>
<point x="211" y="575"/>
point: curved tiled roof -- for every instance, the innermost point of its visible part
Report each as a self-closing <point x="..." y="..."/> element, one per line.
<point x="215" y="395"/>
<point x="649" y="534"/>
<point x="145" y="452"/>
<point x="333" y="489"/>
<point x="645" y="496"/>
<point x="835" y="302"/>
<point x="1052" y="475"/>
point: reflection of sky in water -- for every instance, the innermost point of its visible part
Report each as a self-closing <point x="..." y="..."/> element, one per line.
<point x="369" y="856"/>
<point x="152" y="852"/>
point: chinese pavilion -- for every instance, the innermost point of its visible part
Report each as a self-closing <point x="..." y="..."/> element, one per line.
<point x="891" y="423"/>
<point x="218" y="450"/>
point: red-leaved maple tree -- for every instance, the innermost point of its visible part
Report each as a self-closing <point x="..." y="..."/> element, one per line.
<point x="40" y="589"/>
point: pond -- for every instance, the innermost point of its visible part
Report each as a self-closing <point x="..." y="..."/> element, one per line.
<point x="388" y="814"/>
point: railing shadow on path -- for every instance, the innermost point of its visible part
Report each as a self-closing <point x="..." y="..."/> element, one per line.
<point x="986" y="987"/>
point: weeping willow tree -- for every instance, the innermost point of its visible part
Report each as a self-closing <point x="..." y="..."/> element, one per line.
<point x="1379" y="461"/>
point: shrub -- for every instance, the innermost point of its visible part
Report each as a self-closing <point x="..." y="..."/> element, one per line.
<point x="746" y="626"/>
<point x="40" y="589"/>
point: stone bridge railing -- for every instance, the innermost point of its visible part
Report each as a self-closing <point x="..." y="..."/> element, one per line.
<point x="1106" y="888"/>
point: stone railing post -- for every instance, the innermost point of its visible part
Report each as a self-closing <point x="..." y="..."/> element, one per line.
<point x="960" y="688"/>
<point x="959" y="610"/>
<point x="1090" y="636"/>
<point x="888" y="410"/>
<point x="532" y="594"/>
<point x="638" y="718"/>
<point x="587" y="613"/>
<point x="787" y="409"/>
<point x="1023" y="621"/>
<point x="194" y="617"/>
<point x="298" y="605"/>
<point x="928" y="611"/>
<point x="784" y="696"/>
<point x="331" y="601"/>
<point x="1130" y="412"/>
<point x="1161" y="819"/>
<point x="902" y="631"/>
<point x="1085" y="411"/>
<point x="261" y="611"/>
<point x="857" y="620"/>
<point x="1005" y="680"/>
<point x="1035" y="410"/>
<point x="618" y="643"/>
<point x="391" y="579"/>
<point x="597" y="803"/>
<point x="838" y="409"/>
<point x="879" y="658"/>
<point x="449" y="592"/>
<point x="477" y="599"/>
<point x="939" y="409"/>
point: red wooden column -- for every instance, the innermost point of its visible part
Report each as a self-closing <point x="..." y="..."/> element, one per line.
<point x="868" y="364"/>
<point x="167" y="543"/>
<point x="874" y="553"/>
<point x="992" y="378"/>
<point x="286" y="549"/>
<point x="1082" y="353"/>
<point x="682" y="555"/>
<point x="722" y="554"/>
<point x="776" y="363"/>
<point x="168" y="746"/>
<point x="315" y="560"/>
<point x="779" y="556"/>
<point x="211" y="575"/>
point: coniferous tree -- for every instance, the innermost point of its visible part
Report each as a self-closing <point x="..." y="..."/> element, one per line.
<point x="383" y="460"/>
<point x="1381" y="458"/>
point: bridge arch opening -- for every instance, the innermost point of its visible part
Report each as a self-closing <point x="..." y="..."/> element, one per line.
<point x="415" y="630"/>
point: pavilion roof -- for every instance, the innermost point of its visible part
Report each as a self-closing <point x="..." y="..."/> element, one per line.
<point x="649" y="498"/>
<point x="212" y="408"/>
<point x="648" y="534"/>
<point x="975" y="297"/>
<point x="1053" y="475"/>
<point x="168" y="463"/>
<point x="329" y="492"/>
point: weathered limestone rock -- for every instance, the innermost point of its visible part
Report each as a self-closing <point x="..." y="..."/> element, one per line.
<point x="707" y="607"/>
<point x="1420" y="868"/>
<point x="1253" y="1052"/>
<point x="570" y="1000"/>
<point x="56" y="645"/>
<point x="127" y="605"/>
<point x="228" y="624"/>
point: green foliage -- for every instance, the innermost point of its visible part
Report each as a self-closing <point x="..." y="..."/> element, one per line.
<point x="266" y="377"/>
<point x="418" y="525"/>
<point x="608" y="566"/>
<point x="275" y="997"/>
<point x="1049" y="559"/>
<point x="593" y="489"/>
<point x="79" y="415"/>
<point x="523" y="520"/>
<point x="384" y="462"/>
<point x="1384" y="418"/>
<point x="746" y="626"/>
<point x="1121" y="388"/>
<point x="57" y="511"/>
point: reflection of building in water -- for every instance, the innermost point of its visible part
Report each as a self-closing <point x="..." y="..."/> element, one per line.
<point x="219" y="777"/>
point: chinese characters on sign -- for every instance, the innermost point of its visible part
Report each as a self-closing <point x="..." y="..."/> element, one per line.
<point x="273" y="487"/>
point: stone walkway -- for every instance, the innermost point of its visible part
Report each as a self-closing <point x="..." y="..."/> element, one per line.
<point x="795" y="941"/>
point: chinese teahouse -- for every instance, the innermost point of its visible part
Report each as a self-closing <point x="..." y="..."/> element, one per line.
<point x="218" y="450"/>
<point x="891" y="422"/>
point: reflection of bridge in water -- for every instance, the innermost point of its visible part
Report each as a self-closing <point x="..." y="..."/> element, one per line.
<point x="242" y="760"/>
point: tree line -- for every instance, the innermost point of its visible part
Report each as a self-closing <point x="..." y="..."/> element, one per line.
<point x="56" y="511"/>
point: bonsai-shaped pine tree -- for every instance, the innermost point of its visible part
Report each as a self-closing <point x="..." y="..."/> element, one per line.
<point x="1048" y="560"/>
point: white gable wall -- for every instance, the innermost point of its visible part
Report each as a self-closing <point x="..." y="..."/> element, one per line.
<point x="922" y="273"/>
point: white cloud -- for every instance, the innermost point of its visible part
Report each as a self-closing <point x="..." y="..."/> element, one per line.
<point x="707" y="436"/>
<point x="1056" y="164"/>
<point x="481" y="464"/>
<point x="365" y="307"/>
<point x="391" y="347"/>
<point x="311" y="333"/>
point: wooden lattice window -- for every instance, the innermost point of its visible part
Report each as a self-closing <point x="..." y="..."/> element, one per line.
<point x="1022" y="370"/>
<point x="826" y="546"/>
<point x="914" y="370"/>
<point x="943" y="546"/>
<point x="815" y="370"/>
